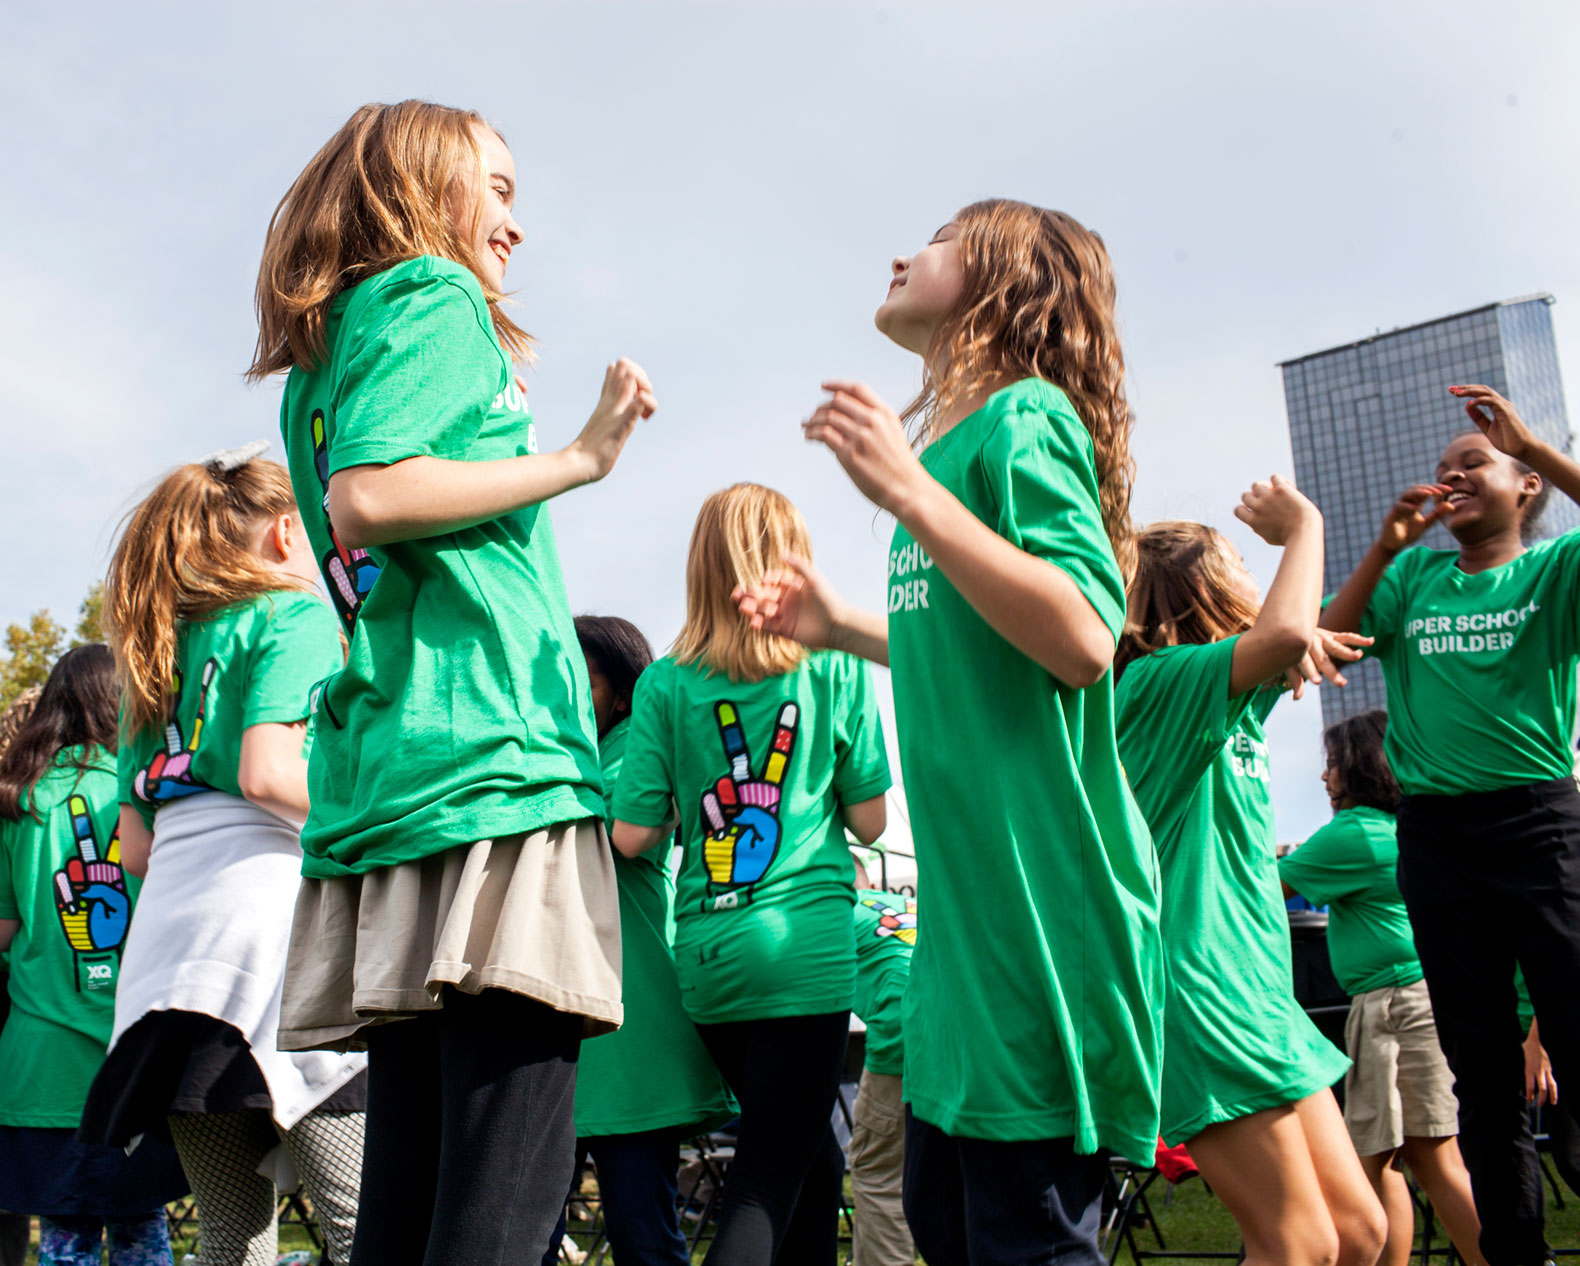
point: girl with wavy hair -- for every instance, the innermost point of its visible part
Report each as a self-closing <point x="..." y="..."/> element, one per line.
<point x="1246" y="1074"/>
<point x="219" y="641"/>
<point x="458" y="914"/>
<point x="65" y="901"/>
<point x="1031" y="1039"/>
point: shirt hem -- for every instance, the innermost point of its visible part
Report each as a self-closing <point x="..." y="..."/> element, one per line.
<point x="1218" y="1113"/>
<point x="1021" y="1127"/>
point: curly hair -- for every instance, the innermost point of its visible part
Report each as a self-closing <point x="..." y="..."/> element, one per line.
<point x="1038" y="302"/>
<point x="1354" y="747"/>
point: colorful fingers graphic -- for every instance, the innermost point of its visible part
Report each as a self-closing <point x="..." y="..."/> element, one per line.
<point x="742" y="812"/>
<point x="900" y="924"/>
<point x="169" y="774"/>
<point x="90" y="890"/>
<point x="351" y="572"/>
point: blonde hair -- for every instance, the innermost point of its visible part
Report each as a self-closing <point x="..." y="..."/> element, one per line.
<point x="186" y="552"/>
<point x="373" y="197"/>
<point x="742" y="532"/>
<point x="1038" y="302"/>
<point x="1183" y="592"/>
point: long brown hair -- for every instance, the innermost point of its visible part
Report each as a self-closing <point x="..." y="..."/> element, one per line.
<point x="76" y="708"/>
<point x="373" y="197"/>
<point x="1038" y="302"/>
<point x="1183" y="592"/>
<point x="1354" y="747"/>
<point x="742" y="532"/>
<point x="186" y="552"/>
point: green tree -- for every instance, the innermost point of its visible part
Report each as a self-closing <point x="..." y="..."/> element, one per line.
<point x="31" y="651"/>
<point x="90" y="616"/>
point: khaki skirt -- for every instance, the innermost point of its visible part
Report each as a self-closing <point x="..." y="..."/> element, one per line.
<point x="535" y="914"/>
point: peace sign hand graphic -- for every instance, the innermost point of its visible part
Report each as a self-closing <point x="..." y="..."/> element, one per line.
<point x="742" y="811"/>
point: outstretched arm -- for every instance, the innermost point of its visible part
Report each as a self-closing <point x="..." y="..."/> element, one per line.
<point x="427" y="496"/>
<point x="797" y="601"/>
<point x="1403" y="526"/>
<point x="1032" y="604"/>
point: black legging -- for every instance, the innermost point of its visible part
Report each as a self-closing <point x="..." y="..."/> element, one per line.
<point x="470" y="1133"/>
<point x="781" y="1196"/>
<point x="1492" y="879"/>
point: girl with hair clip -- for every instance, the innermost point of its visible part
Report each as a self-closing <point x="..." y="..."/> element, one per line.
<point x="459" y="914"/>
<point x="769" y="755"/>
<point x="65" y="902"/>
<point x="640" y="1091"/>
<point x="1031" y="1042"/>
<point x="219" y="641"/>
<point x="1478" y="646"/>
<point x="1399" y="1102"/>
<point x="1246" y="1074"/>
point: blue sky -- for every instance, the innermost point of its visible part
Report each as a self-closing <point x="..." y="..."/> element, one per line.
<point x="716" y="191"/>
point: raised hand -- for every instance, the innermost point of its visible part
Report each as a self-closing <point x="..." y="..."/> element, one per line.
<point x="866" y="435"/>
<point x="1411" y="515"/>
<point x="1275" y="509"/>
<point x="794" y="601"/>
<point x="627" y="395"/>
<point x="1496" y="418"/>
<point x="1322" y="659"/>
<point x="742" y="809"/>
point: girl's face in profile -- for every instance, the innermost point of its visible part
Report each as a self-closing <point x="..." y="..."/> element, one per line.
<point x="922" y="289"/>
<point x="1240" y="577"/>
<point x="1333" y="782"/>
<point x="496" y="233"/>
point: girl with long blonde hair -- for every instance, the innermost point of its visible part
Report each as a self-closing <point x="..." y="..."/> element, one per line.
<point x="1031" y="1039"/>
<point x="218" y="643"/>
<point x="1246" y="1074"/>
<point x="769" y="754"/>
<point x="458" y="914"/>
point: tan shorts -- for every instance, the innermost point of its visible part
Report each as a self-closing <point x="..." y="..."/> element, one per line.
<point x="1399" y="1083"/>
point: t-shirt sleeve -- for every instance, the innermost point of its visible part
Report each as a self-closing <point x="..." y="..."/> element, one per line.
<point x="1333" y="863"/>
<point x="126" y="778"/>
<point x="861" y="765"/>
<point x="298" y="647"/>
<point x="1038" y="463"/>
<point x="1174" y="716"/>
<point x="421" y="371"/>
<point x="645" y="792"/>
<point x="1382" y="616"/>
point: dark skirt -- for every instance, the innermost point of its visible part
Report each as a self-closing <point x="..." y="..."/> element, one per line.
<point x="183" y="1061"/>
<point x="49" y="1173"/>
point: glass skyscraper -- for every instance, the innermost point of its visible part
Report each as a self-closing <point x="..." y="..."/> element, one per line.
<point x="1369" y="419"/>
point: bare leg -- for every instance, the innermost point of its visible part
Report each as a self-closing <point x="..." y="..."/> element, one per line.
<point x="1260" y="1167"/>
<point x="1440" y="1169"/>
<point x="1394" y="1192"/>
<point x="1353" y="1205"/>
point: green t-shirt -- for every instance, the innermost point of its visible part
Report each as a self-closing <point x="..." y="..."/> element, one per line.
<point x="1480" y="668"/>
<point x="653" y="1073"/>
<point x="885" y="937"/>
<point x="1235" y="1040"/>
<point x="1351" y="866"/>
<point x="60" y="874"/>
<point x="255" y="663"/>
<point x="463" y="712"/>
<point x="1032" y="1007"/>
<point x="758" y="772"/>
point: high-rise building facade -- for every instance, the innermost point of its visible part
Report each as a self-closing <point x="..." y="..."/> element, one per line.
<point x="1369" y="419"/>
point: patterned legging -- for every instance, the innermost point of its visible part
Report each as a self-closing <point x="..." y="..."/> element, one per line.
<point x="236" y="1205"/>
<point x="78" y="1241"/>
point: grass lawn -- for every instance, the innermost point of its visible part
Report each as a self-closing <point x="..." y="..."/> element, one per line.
<point x="1192" y="1220"/>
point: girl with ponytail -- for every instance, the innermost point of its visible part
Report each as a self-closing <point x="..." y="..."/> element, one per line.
<point x="1006" y="597"/>
<point x="219" y="642"/>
